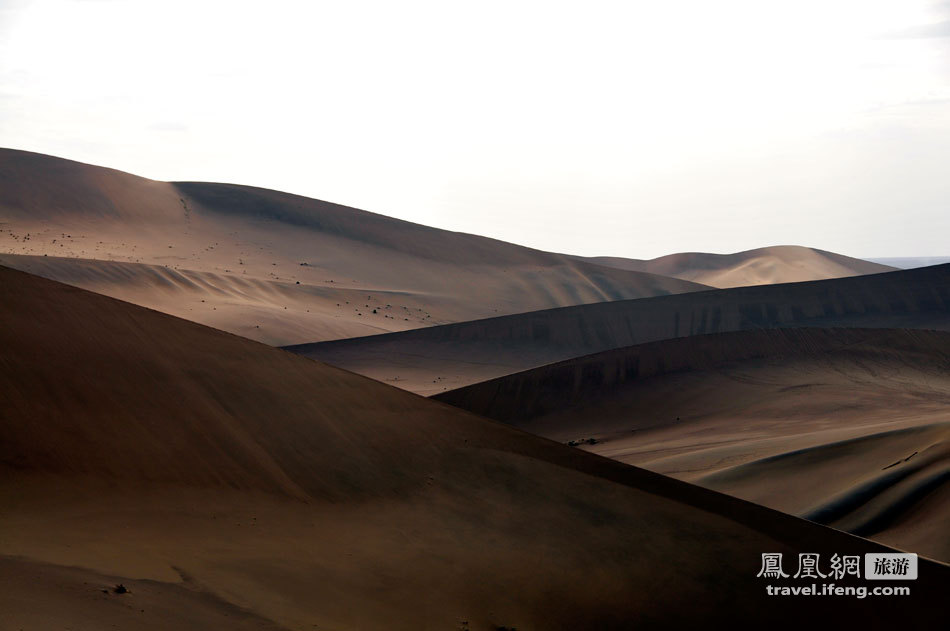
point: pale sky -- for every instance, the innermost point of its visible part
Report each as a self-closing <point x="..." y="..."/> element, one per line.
<point x="598" y="128"/>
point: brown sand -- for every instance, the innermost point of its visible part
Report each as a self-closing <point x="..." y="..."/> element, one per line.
<point x="271" y="266"/>
<point x="437" y="359"/>
<point x="762" y="266"/>
<point x="221" y="479"/>
<point x="815" y="422"/>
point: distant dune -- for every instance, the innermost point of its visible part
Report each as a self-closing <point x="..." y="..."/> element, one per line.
<point x="762" y="266"/>
<point x="845" y="426"/>
<point x="910" y="262"/>
<point x="227" y="484"/>
<point x="437" y="359"/>
<point x="272" y="266"/>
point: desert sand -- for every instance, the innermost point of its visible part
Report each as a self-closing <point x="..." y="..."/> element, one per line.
<point x="845" y="426"/>
<point x="437" y="359"/>
<point x="762" y="266"/>
<point x="271" y="266"/>
<point x="228" y="484"/>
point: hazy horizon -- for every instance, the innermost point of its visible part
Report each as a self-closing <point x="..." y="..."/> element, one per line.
<point x="608" y="130"/>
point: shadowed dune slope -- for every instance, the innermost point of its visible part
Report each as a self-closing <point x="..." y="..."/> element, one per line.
<point x="321" y="270"/>
<point x="216" y="477"/>
<point x="576" y="382"/>
<point x="849" y="427"/>
<point x="447" y="357"/>
<point x="762" y="266"/>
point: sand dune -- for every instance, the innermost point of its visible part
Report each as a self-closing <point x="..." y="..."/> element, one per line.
<point x="270" y="311"/>
<point x="890" y="485"/>
<point x="446" y="357"/>
<point x="217" y="477"/>
<point x="815" y="422"/>
<point x="762" y="266"/>
<point x="322" y="271"/>
<point x="910" y="262"/>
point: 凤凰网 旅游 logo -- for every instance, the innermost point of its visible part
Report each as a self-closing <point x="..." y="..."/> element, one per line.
<point x="875" y="566"/>
<point x="889" y="566"/>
